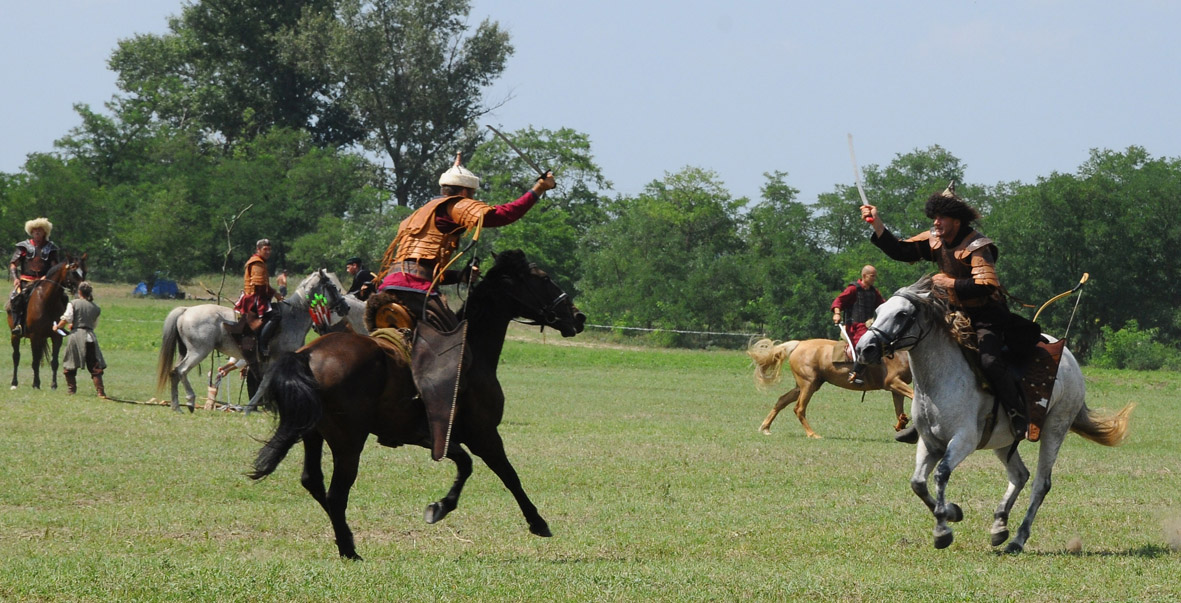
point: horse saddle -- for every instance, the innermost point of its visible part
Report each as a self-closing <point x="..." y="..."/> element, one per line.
<point x="1035" y="372"/>
<point x="1037" y="384"/>
<point x="436" y="363"/>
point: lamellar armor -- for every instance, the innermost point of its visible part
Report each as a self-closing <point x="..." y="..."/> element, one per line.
<point x="32" y="262"/>
<point x="419" y="236"/>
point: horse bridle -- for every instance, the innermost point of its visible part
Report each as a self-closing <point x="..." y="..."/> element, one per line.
<point x="890" y="346"/>
<point x="548" y="312"/>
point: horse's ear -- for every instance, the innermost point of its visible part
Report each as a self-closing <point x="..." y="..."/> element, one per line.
<point x="83" y="258"/>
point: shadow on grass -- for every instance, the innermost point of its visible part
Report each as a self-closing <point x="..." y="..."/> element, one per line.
<point x="1148" y="551"/>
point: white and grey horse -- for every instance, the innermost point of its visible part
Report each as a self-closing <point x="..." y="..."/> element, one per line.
<point x="197" y="330"/>
<point x="952" y="413"/>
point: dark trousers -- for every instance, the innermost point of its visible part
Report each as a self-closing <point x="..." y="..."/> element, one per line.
<point x="438" y="313"/>
<point x="996" y="369"/>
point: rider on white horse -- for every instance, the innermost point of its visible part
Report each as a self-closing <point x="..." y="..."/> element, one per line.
<point x="967" y="271"/>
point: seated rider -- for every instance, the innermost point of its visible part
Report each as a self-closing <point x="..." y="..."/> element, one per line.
<point x="857" y="303"/>
<point x="415" y="261"/>
<point x="30" y="262"/>
<point x="967" y="271"/>
<point x="427" y="238"/>
<point x="254" y="307"/>
<point x="362" y="278"/>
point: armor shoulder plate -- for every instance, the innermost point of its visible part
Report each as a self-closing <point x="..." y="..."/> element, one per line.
<point x="929" y="237"/>
<point x="467" y="212"/>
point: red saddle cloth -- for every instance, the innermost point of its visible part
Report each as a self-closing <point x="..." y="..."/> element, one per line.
<point x="1038" y="384"/>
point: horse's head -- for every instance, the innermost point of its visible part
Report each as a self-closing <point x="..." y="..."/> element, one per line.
<point x="70" y="273"/>
<point x="535" y="295"/>
<point x="900" y="323"/>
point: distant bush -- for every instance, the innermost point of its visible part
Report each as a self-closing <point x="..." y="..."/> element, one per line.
<point x="1133" y="348"/>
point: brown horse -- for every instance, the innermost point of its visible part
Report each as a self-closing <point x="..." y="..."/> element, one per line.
<point x="47" y="302"/>
<point x="812" y="365"/>
<point x="343" y="386"/>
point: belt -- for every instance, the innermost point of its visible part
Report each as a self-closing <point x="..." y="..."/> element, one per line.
<point x="424" y="269"/>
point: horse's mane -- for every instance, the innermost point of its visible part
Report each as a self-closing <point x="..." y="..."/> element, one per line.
<point x="925" y="294"/>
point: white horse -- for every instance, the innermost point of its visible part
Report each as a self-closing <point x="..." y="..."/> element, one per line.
<point x="198" y="330"/>
<point x="951" y="412"/>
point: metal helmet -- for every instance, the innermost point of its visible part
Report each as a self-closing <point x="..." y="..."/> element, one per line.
<point x="459" y="176"/>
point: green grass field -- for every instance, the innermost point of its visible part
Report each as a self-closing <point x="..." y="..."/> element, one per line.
<point x="647" y="464"/>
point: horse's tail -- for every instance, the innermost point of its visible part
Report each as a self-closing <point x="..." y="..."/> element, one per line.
<point x="168" y="345"/>
<point x="1106" y="429"/>
<point x="768" y="357"/>
<point x="291" y="390"/>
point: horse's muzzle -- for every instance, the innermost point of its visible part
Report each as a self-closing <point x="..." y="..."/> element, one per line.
<point x="869" y="350"/>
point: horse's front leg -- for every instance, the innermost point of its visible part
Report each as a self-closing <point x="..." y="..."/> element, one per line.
<point x="780" y="404"/>
<point x="16" y="358"/>
<point x="957" y="450"/>
<point x="1018" y="476"/>
<point x="463" y="465"/>
<point x="38" y="346"/>
<point x="899" y="412"/>
<point x="489" y="447"/>
<point x="57" y="346"/>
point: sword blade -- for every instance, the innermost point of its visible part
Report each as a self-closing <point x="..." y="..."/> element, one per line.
<point x="857" y="175"/>
<point x="522" y="155"/>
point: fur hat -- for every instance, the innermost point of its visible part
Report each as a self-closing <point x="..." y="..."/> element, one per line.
<point x="950" y="205"/>
<point x="459" y="176"/>
<point x="42" y="223"/>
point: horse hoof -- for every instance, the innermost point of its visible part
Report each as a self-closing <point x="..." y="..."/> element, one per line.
<point x="353" y="556"/>
<point x="434" y="512"/>
<point x="541" y="529"/>
<point x="954" y="513"/>
<point x="944" y="540"/>
<point x="999" y="538"/>
<point x="1014" y="548"/>
<point x="764" y="430"/>
<point x="13" y="387"/>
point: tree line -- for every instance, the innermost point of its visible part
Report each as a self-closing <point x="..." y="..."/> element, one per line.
<point x="328" y="121"/>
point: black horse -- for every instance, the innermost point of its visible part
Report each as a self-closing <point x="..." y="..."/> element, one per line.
<point x="343" y="386"/>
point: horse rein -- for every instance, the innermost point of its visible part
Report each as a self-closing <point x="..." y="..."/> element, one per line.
<point x="548" y="312"/>
<point x="890" y="346"/>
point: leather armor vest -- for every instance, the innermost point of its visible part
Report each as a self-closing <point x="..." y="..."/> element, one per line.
<point x="257" y="279"/>
<point x="419" y="237"/>
<point x="864" y="304"/>
<point x="34" y="262"/>
<point x="974" y="258"/>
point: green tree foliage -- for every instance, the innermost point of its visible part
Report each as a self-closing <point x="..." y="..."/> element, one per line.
<point x="411" y="74"/>
<point x="787" y="271"/>
<point x="222" y="70"/>
<point x="667" y="258"/>
<point x="553" y="230"/>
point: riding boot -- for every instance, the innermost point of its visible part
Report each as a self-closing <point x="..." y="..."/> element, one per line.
<point x="909" y="435"/>
<point x="98" y="384"/>
<point x="71" y="381"/>
<point x="264" y="338"/>
<point x="18" y="320"/>
<point x="856" y="376"/>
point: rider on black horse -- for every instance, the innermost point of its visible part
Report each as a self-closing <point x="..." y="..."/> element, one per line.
<point x="30" y="262"/>
<point x="418" y="257"/>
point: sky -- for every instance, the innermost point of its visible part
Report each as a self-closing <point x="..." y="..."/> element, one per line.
<point x="1016" y="90"/>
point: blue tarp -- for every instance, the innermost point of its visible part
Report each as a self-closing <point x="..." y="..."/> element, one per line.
<point x="140" y="290"/>
<point x="165" y="288"/>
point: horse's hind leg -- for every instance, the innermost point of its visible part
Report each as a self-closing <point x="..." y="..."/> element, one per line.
<point x="1047" y="455"/>
<point x="344" y="473"/>
<point x="312" y="478"/>
<point x="1018" y="476"/>
<point x="463" y="464"/>
<point x="181" y="373"/>
<point x="490" y="448"/>
<point x="780" y="404"/>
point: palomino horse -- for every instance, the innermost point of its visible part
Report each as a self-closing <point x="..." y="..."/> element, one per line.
<point x="344" y="386"/>
<point x="953" y="414"/>
<point x="197" y="331"/>
<point x="812" y="366"/>
<point x="47" y="302"/>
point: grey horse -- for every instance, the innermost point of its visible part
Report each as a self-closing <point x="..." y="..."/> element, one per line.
<point x="198" y="330"/>
<point x="951" y="412"/>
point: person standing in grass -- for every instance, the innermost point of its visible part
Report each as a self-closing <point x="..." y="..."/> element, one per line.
<point x="82" y="346"/>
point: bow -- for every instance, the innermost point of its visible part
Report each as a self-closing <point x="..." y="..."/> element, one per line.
<point x="1062" y="295"/>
